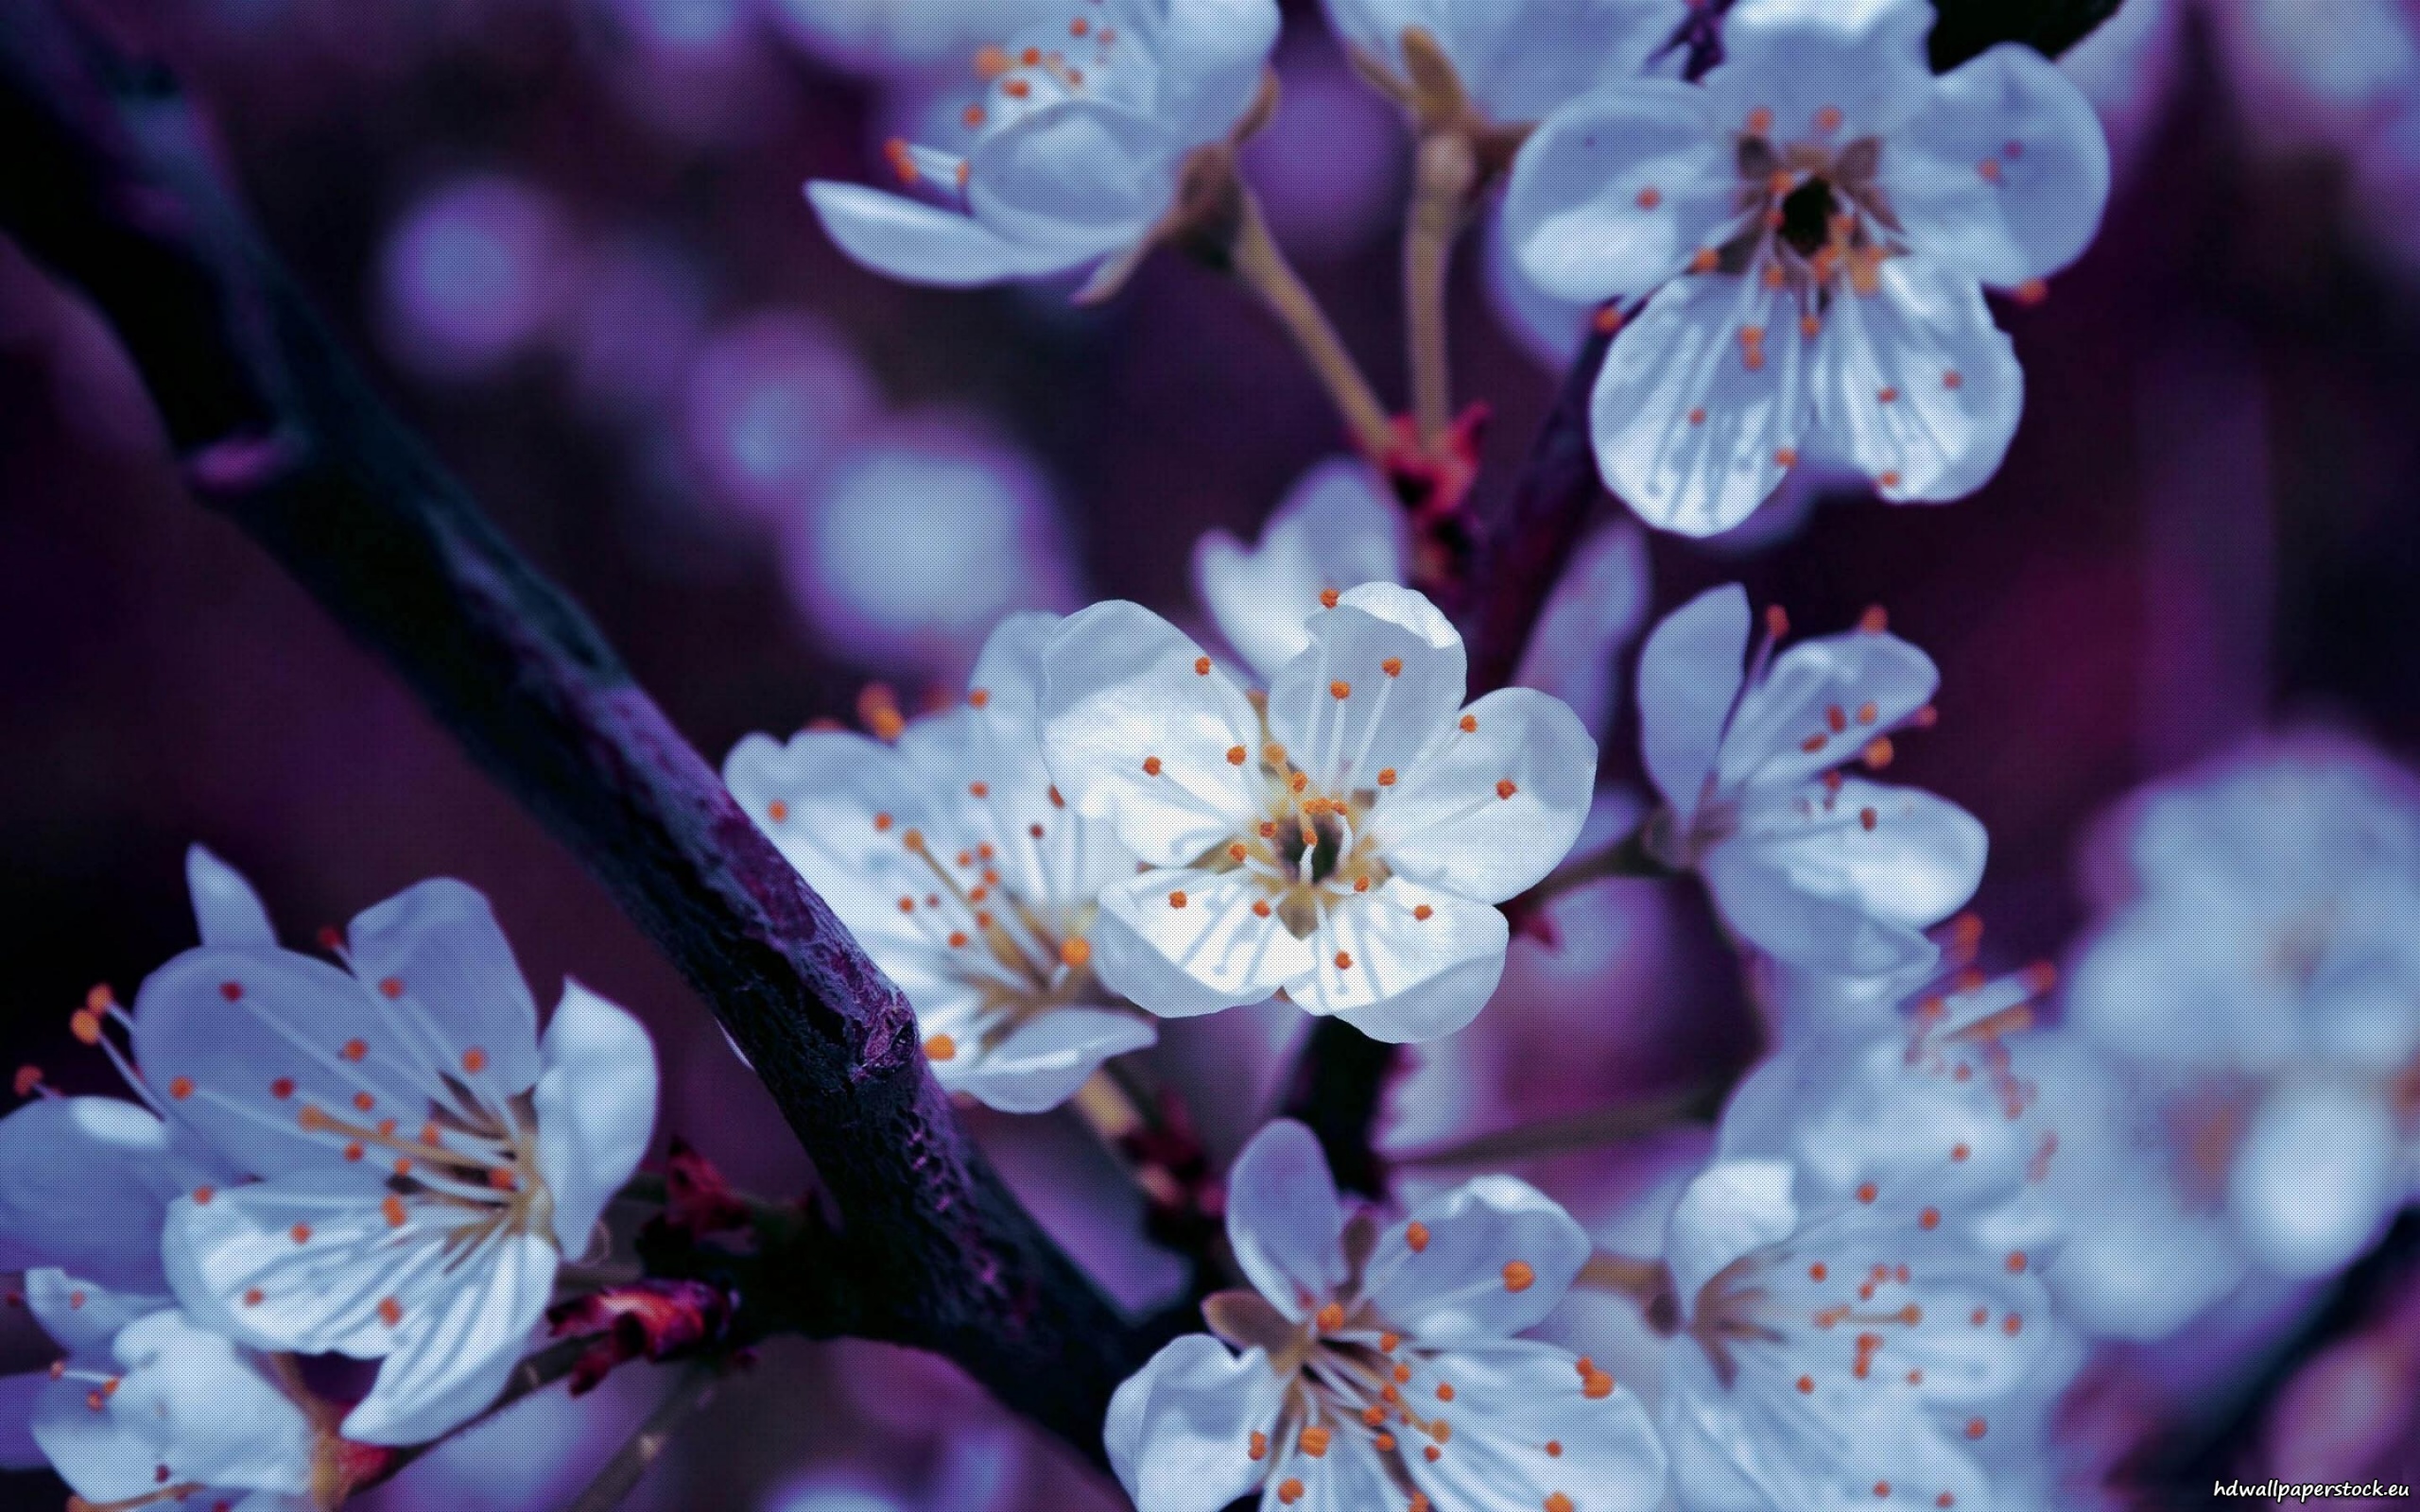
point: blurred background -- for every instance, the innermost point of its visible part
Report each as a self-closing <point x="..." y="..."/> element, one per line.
<point x="568" y="238"/>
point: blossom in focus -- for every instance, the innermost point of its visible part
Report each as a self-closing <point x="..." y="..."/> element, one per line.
<point x="1077" y="150"/>
<point x="951" y="859"/>
<point x="1813" y="868"/>
<point x="1515" y="63"/>
<point x="1344" y="837"/>
<point x="1811" y="231"/>
<point x="1379" y="1368"/>
<point x="427" y="1160"/>
<point x="2266" y="958"/>
<point x="1837" y="1350"/>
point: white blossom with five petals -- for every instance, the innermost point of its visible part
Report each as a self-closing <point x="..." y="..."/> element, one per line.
<point x="1344" y="837"/>
<point x="1079" y="147"/>
<point x="1813" y="868"/>
<point x="954" y="862"/>
<point x="425" y="1160"/>
<point x="1376" y="1367"/>
<point x="1810" y="230"/>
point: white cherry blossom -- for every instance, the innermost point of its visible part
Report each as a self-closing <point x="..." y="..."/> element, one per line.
<point x="2265" y="966"/>
<point x="954" y="862"/>
<point x="1379" y="1368"/>
<point x="1344" y="837"/>
<point x="145" y="1409"/>
<point x="1835" y="1350"/>
<point x="425" y="1160"/>
<point x="1814" y="868"/>
<point x="1811" y="231"/>
<point x="1516" y="62"/>
<point x="1077" y="150"/>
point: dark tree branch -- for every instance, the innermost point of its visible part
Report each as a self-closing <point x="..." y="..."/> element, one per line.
<point x="1338" y="1084"/>
<point x="107" y="180"/>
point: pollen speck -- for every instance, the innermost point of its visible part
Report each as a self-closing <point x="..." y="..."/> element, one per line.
<point x="1391" y="666"/>
<point x="355" y="1049"/>
<point x="1151" y="766"/>
<point x="1650" y="197"/>
<point x="1423" y="912"/>
<point x="1505" y="788"/>
<point x="1386" y="777"/>
<point x="1416" y="1235"/>
<point x="392" y="1207"/>
<point x="1201" y="666"/>
<point x="941" y="1047"/>
<point x="1470" y="724"/>
<point x="390" y="1311"/>
<point x="474" y="1060"/>
<point x="1328" y="597"/>
<point x="1344" y="960"/>
<point x="1518" y="1276"/>
<point x="1866" y="1192"/>
<point x="1340" y="690"/>
<point x="300" y="1233"/>
<point x="1697" y="417"/>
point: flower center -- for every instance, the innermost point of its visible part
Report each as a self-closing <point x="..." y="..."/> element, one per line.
<point x="1022" y="956"/>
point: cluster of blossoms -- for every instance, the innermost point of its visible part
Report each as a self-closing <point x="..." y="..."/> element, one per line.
<point x="1875" y="1282"/>
<point x="378" y="1157"/>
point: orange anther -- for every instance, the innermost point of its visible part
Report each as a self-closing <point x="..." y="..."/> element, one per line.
<point x="1151" y="766"/>
<point x="179" y="1087"/>
<point x="390" y="1311"/>
<point x="1386" y="777"/>
<point x="1416" y="1235"/>
<point x="1423" y="912"/>
<point x="474" y="1060"/>
<point x="1344" y="960"/>
<point x="1340" y="690"/>
<point x="1866" y="1192"/>
<point x="1518" y="1276"/>
<point x="1828" y="119"/>
<point x="1703" y="260"/>
<point x="1176" y="899"/>
<point x="1258" y="1446"/>
<point x="1328" y="597"/>
<point x="1469" y="724"/>
<point x="1260" y="908"/>
<point x="355" y="1049"/>
<point x="392" y="1207"/>
<point x="1650" y="197"/>
<point x="941" y="1047"/>
<point x="300" y="1233"/>
<point x="1315" y="1440"/>
<point x="392" y="987"/>
<point x="1760" y="121"/>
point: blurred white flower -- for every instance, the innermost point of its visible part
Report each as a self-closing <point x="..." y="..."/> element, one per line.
<point x="1810" y="230"/>
<point x="2268" y="955"/>
<point x="1817" y="870"/>
<point x="1334" y="529"/>
<point x="473" y="275"/>
<point x="770" y="401"/>
<point x="950" y="859"/>
<point x="918" y="539"/>
<point x="1381" y="1368"/>
<point x="1078" y="146"/>
<point x="1344" y="837"/>
<point x="888" y="37"/>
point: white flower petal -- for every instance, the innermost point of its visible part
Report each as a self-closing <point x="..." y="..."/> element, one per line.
<point x="1180" y="1429"/>
<point x="2004" y="174"/>
<point x="922" y="243"/>
<point x="1137" y="726"/>
<point x="1385" y="720"/>
<point x="1495" y="806"/>
<point x="225" y="907"/>
<point x="1916" y="385"/>
<point x="455" y="1357"/>
<point x="1509" y="1403"/>
<point x="1695" y="425"/>
<point x="1333" y="530"/>
<point x="436" y="946"/>
<point x="1597" y="604"/>
<point x="595" y="1107"/>
<point x="303" y="1263"/>
<point x="81" y="1316"/>
<point x="1800" y="59"/>
<point x="187" y="1401"/>
<point x="1818" y="705"/>
<point x="1407" y="976"/>
<point x="1493" y="1257"/>
<point x="2316" y="1177"/>
<point x="1213" y="52"/>
<point x="1045" y="1058"/>
<point x="1613" y="192"/>
<point x="1211" y="952"/>
<point x="1689" y="674"/>
<point x="1347" y="1478"/>
<point x="1762" y="899"/>
<point x="1918" y="861"/>
<point x="1731" y="1208"/>
<point x="84" y="1185"/>
<point x="1284" y="1220"/>
<point x="846" y="804"/>
<point x="1085" y="177"/>
<point x="251" y="1037"/>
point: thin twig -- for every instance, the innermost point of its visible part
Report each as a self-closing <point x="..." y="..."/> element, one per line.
<point x="621" y="1474"/>
<point x="1593" y="1129"/>
<point x="1261" y="266"/>
<point x="1444" y="171"/>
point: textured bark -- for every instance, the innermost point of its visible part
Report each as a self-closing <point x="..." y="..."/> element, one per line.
<point x="106" y="181"/>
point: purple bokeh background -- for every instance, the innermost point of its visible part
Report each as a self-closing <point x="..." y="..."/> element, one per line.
<point x="567" y="237"/>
